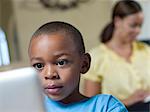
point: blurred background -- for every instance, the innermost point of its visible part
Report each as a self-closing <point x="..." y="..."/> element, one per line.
<point x="20" y="18"/>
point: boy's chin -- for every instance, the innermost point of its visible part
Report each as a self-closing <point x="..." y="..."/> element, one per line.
<point x="55" y="97"/>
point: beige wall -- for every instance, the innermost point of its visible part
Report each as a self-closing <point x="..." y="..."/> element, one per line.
<point x="89" y="18"/>
<point x="5" y="13"/>
<point x="7" y="24"/>
<point x="0" y="13"/>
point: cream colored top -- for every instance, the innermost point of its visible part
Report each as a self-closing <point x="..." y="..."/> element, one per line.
<point x="119" y="77"/>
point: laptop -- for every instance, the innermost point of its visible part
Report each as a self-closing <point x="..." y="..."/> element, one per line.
<point x="21" y="91"/>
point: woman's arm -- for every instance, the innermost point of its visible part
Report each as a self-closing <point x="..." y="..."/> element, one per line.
<point x="91" y="88"/>
<point x="137" y="96"/>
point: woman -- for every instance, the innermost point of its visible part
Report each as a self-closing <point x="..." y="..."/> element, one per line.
<point x="121" y="65"/>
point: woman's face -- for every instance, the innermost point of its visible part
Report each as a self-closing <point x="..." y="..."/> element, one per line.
<point x="130" y="26"/>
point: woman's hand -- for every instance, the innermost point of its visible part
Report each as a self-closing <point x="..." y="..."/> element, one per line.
<point x="137" y="96"/>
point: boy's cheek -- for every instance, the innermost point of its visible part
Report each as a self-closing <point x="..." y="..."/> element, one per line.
<point x="42" y="79"/>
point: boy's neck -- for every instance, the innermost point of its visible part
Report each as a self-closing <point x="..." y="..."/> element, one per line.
<point x="74" y="97"/>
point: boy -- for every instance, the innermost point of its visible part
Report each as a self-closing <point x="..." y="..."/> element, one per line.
<point x="57" y="51"/>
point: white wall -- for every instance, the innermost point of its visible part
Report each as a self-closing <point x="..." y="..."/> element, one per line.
<point x="145" y="33"/>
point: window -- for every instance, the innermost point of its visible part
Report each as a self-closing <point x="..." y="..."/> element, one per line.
<point x="4" y="52"/>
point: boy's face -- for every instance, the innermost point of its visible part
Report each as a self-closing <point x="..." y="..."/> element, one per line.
<point x="59" y="64"/>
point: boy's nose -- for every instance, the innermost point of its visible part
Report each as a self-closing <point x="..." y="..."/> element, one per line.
<point x="50" y="73"/>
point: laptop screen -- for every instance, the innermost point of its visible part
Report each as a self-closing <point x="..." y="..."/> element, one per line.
<point x="21" y="91"/>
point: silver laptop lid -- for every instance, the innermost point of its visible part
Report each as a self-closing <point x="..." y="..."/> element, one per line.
<point x="20" y="91"/>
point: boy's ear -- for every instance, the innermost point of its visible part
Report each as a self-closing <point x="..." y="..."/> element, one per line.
<point x="86" y="61"/>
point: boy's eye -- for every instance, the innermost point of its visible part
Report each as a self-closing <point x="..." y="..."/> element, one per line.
<point x="38" y="66"/>
<point x="62" y="62"/>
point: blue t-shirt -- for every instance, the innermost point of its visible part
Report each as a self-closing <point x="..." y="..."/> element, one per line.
<point x="98" y="103"/>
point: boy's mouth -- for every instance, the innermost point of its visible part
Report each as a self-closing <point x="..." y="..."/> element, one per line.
<point x="53" y="89"/>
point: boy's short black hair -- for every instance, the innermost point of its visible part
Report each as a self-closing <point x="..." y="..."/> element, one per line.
<point x="63" y="28"/>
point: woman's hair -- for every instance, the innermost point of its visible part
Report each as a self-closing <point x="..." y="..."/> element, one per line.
<point x="122" y="9"/>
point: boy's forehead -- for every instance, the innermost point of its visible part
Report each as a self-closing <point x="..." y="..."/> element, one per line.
<point x="53" y="41"/>
<point x="56" y="37"/>
<point x="52" y="46"/>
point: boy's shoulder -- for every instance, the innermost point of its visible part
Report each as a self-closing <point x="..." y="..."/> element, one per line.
<point x="109" y="103"/>
<point x="98" y="103"/>
<point x="104" y="99"/>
